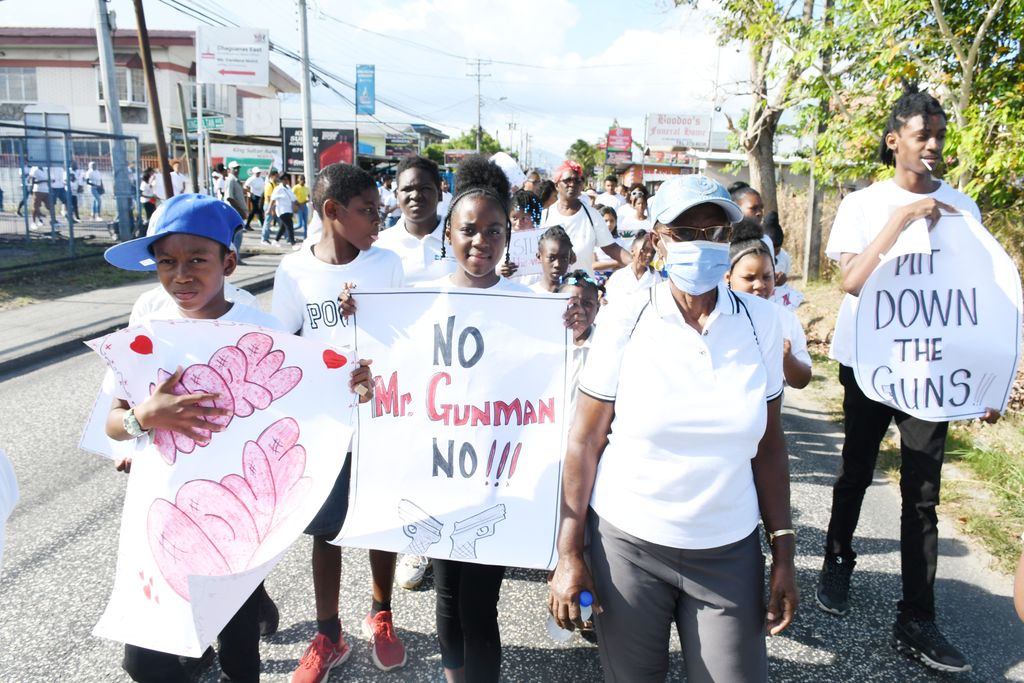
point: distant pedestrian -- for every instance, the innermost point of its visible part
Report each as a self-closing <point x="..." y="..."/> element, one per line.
<point x="254" y="186"/>
<point x="148" y="193"/>
<point x="282" y="205"/>
<point x="40" y="178"/>
<point x="94" y="180"/>
<point x="301" y="192"/>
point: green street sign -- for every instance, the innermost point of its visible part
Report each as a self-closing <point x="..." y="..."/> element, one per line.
<point x="209" y="122"/>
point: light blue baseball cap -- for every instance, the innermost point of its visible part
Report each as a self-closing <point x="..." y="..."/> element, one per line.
<point x="683" y="192"/>
<point x="190" y="214"/>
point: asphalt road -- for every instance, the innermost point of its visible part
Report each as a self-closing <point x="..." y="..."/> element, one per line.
<point x="62" y="546"/>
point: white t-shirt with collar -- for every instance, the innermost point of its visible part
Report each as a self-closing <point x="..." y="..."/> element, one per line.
<point x="623" y="282"/>
<point x="612" y="199"/>
<point x="861" y="216"/>
<point x="421" y="258"/>
<point x="306" y="291"/>
<point x="285" y="199"/>
<point x="690" y="410"/>
<point x="586" y="229"/>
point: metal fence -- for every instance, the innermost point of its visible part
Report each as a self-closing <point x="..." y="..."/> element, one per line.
<point x="59" y="184"/>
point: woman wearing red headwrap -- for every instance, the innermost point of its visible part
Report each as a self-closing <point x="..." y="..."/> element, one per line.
<point x="583" y="223"/>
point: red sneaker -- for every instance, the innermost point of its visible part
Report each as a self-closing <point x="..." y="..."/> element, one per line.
<point x="321" y="656"/>
<point x="388" y="652"/>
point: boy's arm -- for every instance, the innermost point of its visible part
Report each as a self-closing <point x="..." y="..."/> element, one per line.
<point x="164" y="409"/>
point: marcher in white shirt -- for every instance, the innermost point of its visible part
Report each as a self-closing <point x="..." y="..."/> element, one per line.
<point x="676" y="453"/>
<point x="418" y="235"/>
<point x="752" y="270"/>
<point x="418" y="240"/>
<point x="282" y="205"/>
<point x="610" y="197"/>
<point x="445" y="201"/>
<point x="583" y="223"/>
<point x="639" y="275"/>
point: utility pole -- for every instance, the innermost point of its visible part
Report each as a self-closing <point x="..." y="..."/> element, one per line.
<point x="307" y="107"/>
<point x="122" y="188"/>
<point x="479" y="99"/>
<point x="154" y="100"/>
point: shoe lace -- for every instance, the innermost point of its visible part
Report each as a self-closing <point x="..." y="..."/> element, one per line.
<point x="932" y="633"/>
<point x="383" y="629"/>
<point x="316" y="654"/>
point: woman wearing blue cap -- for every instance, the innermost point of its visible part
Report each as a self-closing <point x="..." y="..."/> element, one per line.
<point x="676" y="453"/>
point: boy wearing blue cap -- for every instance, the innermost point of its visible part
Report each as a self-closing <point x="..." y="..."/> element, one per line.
<point x="190" y="250"/>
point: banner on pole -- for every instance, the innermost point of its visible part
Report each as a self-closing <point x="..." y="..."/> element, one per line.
<point x="203" y="524"/>
<point x="460" y="453"/>
<point x="938" y="323"/>
<point x="365" y="95"/>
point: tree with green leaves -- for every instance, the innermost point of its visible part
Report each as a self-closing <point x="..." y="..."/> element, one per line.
<point x="777" y="36"/>
<point x="968" y="55"/>
<point x="465" y="140"/>
<point x="584" y="154"/>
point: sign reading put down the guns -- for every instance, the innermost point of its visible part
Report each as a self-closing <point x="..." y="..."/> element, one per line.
<point x="938" y="331"/>
<point x="459" y="454"/>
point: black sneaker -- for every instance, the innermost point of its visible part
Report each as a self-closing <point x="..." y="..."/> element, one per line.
<point x="833" y="594"/>
<point x="195" y="666"/>
<point x="268" y="613"/>
<point x="922" y="641"/>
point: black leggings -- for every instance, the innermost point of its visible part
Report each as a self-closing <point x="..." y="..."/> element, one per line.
<point x="467" y="617"/>
<point x="239" y="645"/>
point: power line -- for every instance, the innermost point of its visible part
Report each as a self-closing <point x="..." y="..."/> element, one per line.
<point x="215" y="20"/>
<point x="445" y="53"/>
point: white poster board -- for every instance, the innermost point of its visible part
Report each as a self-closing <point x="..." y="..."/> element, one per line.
<point x="522" y="251"/>
<point x="460" y="453"/>
<point x="938" y="326"/>
<point x="203" y="525"/>
<point x="232" y="55"/>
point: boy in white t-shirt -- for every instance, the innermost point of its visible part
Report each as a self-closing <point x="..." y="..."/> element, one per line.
<point x="867" y="225"/>
<point x="310" y="290"/>
<point x="190" y="250"/>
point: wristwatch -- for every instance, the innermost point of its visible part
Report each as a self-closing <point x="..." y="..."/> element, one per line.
<point x="131" y="424"/>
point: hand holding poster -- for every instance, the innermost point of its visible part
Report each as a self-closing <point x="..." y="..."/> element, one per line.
<point x="523" y="249"/>
<point x="460" y="453"/>
<point x="204" y="523"/>
<point x="938" y="327"/>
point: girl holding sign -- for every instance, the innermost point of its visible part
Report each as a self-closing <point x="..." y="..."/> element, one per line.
<point x="867" y="225"/>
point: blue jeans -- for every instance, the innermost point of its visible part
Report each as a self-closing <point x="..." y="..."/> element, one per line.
<point x="96" y="201"/>
<point x="265" y="235"/>
<point x="302" y="215"/>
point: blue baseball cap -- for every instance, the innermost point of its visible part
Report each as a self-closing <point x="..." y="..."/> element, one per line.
<point x="188" y="214"/>
<point x="683" y="192"/>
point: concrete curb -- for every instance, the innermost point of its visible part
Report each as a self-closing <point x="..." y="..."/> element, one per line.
<point x="12" y="366"/>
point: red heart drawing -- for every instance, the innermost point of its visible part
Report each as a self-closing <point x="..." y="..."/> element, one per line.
<point x="142" y="345"/>
<point x="334" y="360"/>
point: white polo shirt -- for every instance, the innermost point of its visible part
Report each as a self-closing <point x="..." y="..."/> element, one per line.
<point x="623" y="282"/>
<point x="861" y="216"/>
<point x="421" y="258"/>
<point x="690" y="410"/>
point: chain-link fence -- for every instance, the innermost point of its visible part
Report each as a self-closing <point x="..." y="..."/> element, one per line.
<point x="63" y="189"/>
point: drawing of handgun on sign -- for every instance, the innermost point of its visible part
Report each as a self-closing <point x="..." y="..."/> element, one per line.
<point x="422" y="529"/>
<point x="470" y="530"/>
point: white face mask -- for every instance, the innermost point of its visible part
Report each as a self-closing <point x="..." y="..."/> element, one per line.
<point x="696" y="267"/>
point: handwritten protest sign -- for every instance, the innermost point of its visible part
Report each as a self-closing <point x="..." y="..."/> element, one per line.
<point x="204" y="524"/>
<point x="938" y="327"/>
<point x="522" y="251"/>
<point x="459" y="454"/>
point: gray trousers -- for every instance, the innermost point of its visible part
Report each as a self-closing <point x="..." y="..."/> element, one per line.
<point x="715" y="597"/>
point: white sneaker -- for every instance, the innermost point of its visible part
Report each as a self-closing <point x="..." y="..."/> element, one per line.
<point x="410" y="571"/>
<point x="265" y="243"/>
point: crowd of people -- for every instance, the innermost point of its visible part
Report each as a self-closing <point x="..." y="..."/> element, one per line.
<point x="682" y="350"/>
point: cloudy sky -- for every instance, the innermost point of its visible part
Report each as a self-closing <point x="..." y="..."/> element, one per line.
<point x="559" y="69"/>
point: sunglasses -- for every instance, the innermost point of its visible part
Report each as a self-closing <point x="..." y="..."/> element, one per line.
<point x="715" y="233"/>
<point x="576" y="280"/>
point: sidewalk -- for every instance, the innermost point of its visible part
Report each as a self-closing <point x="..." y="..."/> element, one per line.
<point x="39" y="331"/>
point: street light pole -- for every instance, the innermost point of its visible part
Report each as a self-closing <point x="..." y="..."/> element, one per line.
<point x="122" y="186"/>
